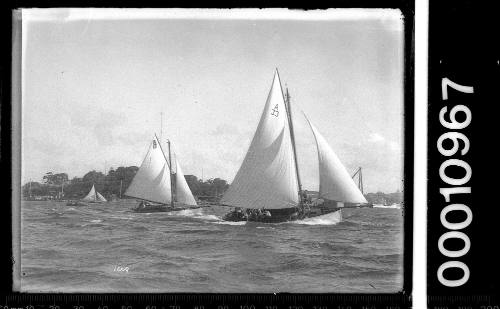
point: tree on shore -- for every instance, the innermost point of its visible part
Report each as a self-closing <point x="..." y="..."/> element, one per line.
<point x="111" y="185"/>
<point x="55" y="179"/>
<point x="213" y="187"/>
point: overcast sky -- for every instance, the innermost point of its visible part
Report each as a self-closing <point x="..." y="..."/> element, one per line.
<point x="94" y="88"/>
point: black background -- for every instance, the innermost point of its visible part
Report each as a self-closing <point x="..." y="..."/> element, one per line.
<point x="462" y="47"/>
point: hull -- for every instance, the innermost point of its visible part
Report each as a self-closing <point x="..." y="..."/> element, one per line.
<point x="148" y="208"/>
<point x="279" y="215"/>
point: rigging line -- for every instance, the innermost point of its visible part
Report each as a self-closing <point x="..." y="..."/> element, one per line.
<point x="356" y="172"/>
<point x="164" y="156"/>
<point x="171" y="178"/>
<point x="292" y="136"/>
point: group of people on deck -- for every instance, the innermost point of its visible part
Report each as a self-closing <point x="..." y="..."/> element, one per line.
<point x="252" y="214"/>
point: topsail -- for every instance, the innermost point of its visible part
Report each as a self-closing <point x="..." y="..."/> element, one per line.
<point x="152" y="181"/>
<point x="267" y="177"/>
<point x="335" y="183"/>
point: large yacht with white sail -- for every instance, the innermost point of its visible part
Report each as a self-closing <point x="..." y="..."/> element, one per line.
<point x="267" y="187"/>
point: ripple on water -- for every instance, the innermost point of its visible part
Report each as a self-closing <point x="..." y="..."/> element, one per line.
<point x="195" y="251"/>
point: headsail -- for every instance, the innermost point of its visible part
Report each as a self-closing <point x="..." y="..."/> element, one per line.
<point x="267" y="177"/>
<point x="335" y="183"/>
<point x="100" y="198"/>
<point x="182" y="192"/>
<point x="152" y="181"/>
<point x="94" y="196"/>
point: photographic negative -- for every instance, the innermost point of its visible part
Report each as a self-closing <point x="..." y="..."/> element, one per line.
<point x="226" y="151"/>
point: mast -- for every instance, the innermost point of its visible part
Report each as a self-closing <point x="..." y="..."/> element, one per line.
<point x="159" y="144"/>
<point x="121" y="183"/>
<point x="171" y="178"/>
<point x="292" y="135"/>
<point x="30" y="190"/>
<point x="361" y="180"/>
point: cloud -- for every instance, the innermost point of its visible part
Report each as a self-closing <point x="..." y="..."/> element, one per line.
<point x="376" y="138"/>
<point x="225" y="129"/>
<point x="100" y="122"/>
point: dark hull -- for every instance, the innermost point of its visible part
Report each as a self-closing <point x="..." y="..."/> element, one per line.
<point x="161" y="208"/>
<point x="281" y="215"/>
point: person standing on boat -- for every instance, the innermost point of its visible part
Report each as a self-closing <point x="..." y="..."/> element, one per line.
<point x="266" y="213"/>
<point x="252" y="215"/>
<point x="239" y="213"/>
<point x="304" y="196"/>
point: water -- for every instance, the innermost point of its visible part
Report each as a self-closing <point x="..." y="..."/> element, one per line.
<point x="79" y="249"/>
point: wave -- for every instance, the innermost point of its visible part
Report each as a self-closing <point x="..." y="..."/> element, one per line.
<point x="231" y="222"/>
<point x="328" y="219"/>
<point x="196" y="213"/>
<point x="393" y="206"/>
<point x="357" y="223"/>
<point x="121" y="217"/>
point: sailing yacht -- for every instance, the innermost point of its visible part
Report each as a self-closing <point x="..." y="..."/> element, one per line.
<point x="155" y="184"/>
<point x="267" y="186"/>
<point x="92" y="197"/>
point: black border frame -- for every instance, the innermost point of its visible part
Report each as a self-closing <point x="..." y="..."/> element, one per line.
<point x="463" y="46"/>
<point x="401" y="299"/>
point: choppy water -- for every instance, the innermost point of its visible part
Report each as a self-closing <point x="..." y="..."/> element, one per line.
<point x="77" y="249"/>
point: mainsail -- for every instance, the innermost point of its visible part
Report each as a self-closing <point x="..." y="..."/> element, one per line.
<point x="267" y="177"/>
<point x="94" y="196"/>
<point x="152" y="181"/>
<point x="182" y="192"/>
<point x="335" y="183"/>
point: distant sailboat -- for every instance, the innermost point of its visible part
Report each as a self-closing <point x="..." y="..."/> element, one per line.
<point x="268" y="184"/>
<point x="92" y="197"/>
<point x="359" y="173"/>
<point x="157" y="186"/>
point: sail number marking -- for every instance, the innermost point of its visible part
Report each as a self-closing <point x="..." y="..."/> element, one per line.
<point x="460" y="146"/>
<point x="275" y="112"/>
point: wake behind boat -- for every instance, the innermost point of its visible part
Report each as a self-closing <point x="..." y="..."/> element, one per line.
<point x="158" y="188"/>
<point x="267" y="187"/>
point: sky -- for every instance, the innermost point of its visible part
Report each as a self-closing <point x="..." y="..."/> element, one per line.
<point x="97" y="85"/>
